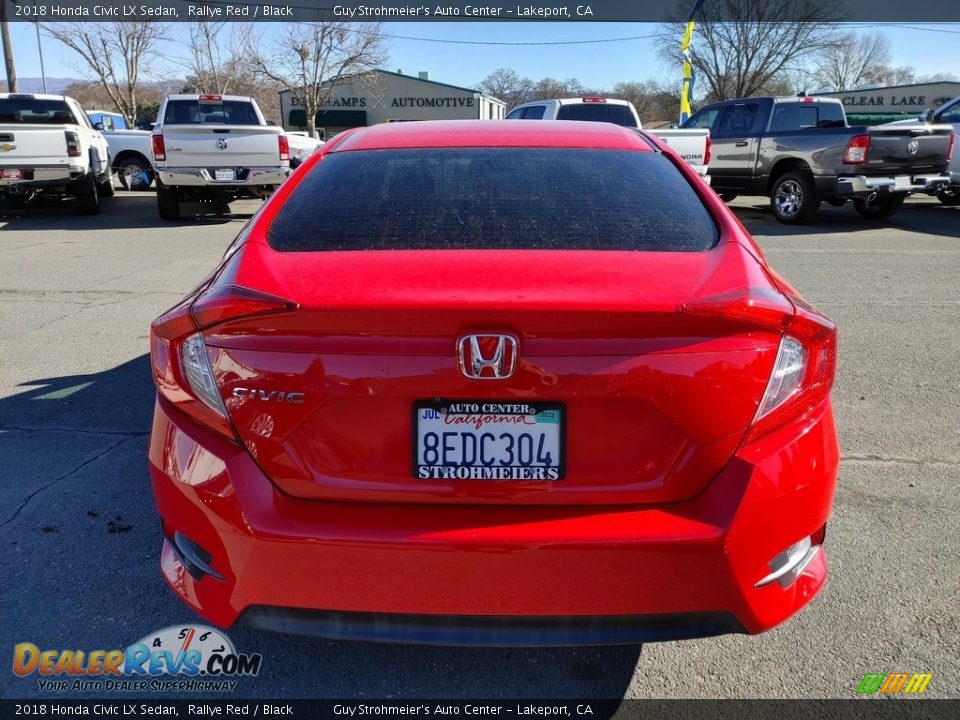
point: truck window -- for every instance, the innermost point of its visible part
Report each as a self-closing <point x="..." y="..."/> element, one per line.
<point x="225" y="112"/>
<point x="598" y="112"/>
<point x="788" y="117"/>
<point x="515" y="114"/>
<point x="703" y="120"/>
<point x="737" y="120"/>
<point x="534" y="112"/>
<point x="951" y="114"/>
<point x="29" y="111"/>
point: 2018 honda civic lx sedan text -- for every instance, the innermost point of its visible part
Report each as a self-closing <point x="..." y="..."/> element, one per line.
<point x="494" y="383"/>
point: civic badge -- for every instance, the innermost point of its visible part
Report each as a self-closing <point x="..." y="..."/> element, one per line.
<point x="913" y="146"/>
<point x="221" y="143"/>
<point x="487" y="357"/>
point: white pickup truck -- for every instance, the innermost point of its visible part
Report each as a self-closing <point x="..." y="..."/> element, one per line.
<point x="213" y="147"/>
<point x="48" y="147"/>
<point x="692" y="145"/>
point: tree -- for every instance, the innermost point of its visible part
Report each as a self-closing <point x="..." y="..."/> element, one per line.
<point x="113" y="55"/>
<point x="654" y="101"/>
<point x="216" y="63"/>
<point x="742" y="46"/>
<point x="548" y="88"/>
<point x="507" y="85"/>
<point x="311" y="59"/>
<point x="858" y="60"/>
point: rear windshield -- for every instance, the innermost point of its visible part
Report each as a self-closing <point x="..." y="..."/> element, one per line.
<point x="598" y="112"/>
<point x="35" y="112"/>
<point x="225" y="112"/>
<point x="493" y="198"/>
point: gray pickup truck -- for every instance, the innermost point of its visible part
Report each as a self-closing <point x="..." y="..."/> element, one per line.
<point x="800" y="151"/>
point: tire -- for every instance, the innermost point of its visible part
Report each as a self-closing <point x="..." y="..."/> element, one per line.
<point x="88" y="196"/>
<point x="106" y="188"/>
<point x="950" y="198"/>
<point x="168" y="203"/>
<point x="727" y="196"/>
<point x="793" y="198"/>
<point x="135" y="174"/>
<point x="879" y="208"/>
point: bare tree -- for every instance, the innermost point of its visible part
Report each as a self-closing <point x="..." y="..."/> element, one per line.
<point x="310" y="59"/>
<point x="853" y="61"/>
<point x="216" y="62"/>
<point x="548" y="88"/>
<point x="655" y="102"/>
<point x="742" y="46"/>
<point x="507" y="85"/>
<point x="113" y="54"/>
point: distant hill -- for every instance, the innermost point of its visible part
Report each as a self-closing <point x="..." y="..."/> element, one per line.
<point x="55" y="86"/>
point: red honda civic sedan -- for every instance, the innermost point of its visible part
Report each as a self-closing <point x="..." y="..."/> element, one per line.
<point x="494" y="383"/>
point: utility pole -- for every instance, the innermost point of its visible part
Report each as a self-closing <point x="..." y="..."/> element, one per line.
<point x="8" y="49"/>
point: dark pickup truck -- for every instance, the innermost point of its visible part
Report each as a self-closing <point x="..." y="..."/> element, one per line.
<point x="799" y="151"/>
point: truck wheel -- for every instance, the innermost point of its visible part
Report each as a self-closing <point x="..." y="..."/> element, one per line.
<point x="793" y="198"/>
<point x="950" y="198"/>
<point x="168" y="204"/>
<point x="88" y="196"/>
<point x="880" y="207"/>
<point x="135" y="174"/>
<point x="106" y="187"/>
<point x="727" y="196"/>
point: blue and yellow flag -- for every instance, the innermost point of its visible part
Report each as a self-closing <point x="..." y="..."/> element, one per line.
<point x="688" y="75"/>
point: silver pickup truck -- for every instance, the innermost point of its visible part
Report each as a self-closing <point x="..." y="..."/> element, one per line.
<point x="800" y="151"/>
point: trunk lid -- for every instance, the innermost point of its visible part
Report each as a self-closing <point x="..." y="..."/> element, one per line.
<point x="654" y="400"/>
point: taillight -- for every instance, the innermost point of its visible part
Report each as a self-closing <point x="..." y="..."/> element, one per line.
<point x="707" y="152"/>
<point x="857" y="150"/>
<point x="284" y="142"/>
<point x="73" y="143"/>
<point x="159" y="149"/>
<point x="953" y="141"/>
<point x="806" y="361"/>
<point x="183" y="365"/>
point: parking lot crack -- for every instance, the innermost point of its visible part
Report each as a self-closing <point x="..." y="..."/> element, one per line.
<point x="82" y="431"/>
<point x="28" y="498"/>
<point x="895" y="460"/>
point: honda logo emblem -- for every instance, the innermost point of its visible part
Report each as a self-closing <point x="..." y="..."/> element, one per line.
<point x="487" y="357"/>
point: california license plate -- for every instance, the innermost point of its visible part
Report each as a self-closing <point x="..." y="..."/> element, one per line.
<point x="488" y="440"/>
<point x="902" y="182"/>
<point x="224" y="175"/>
<point x="12" y="174"/>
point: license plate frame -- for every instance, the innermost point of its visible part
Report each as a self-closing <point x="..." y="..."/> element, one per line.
<point x="902" y="182"/>
<point x="546" y="414"/>
<point x="11" y="174"/>
<point x="225" y="175"/>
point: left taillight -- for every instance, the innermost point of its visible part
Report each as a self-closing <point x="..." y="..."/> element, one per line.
<point x="183" y="365"/>
<point x="159" y="148"/>
<point x="284" y="144"/>
<point x="708" y="152"/>
<point x="73" y="143"/>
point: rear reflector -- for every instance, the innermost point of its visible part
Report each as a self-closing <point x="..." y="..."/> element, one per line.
<point x="790" y="564"/>
<point x="159" y="150"/>
<point x="857" y="150"/>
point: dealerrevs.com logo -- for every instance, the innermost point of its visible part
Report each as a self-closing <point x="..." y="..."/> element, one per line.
<point x="192" y="658"/>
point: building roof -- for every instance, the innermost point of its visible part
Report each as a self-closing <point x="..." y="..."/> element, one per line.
<point x="494" y="133"/>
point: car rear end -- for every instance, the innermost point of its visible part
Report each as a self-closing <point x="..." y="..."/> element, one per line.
<point x="436" y="408"/>
<point x="40" y="147"/>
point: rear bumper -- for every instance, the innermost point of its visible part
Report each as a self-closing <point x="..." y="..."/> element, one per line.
<point x="493" y="575"/>
<point x="39" y="176"/>
<point x="203" y="177"/>
<point x="861" y="185"/>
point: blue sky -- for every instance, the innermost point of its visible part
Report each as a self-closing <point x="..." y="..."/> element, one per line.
<point x="602" y="64"/>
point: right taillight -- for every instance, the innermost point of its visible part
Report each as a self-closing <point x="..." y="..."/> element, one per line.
<point x="857" y="150"/>
<point x="73" y="143"/>
<point x="953" y="142"/>
<point x="803" y="371"/>
<point x="183" y="367"/>
<point x="159" y="149"/>
<point x="708" y="152"/>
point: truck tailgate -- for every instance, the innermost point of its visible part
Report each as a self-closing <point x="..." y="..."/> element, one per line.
<point x="908" y="150"/>
<point x="218" y="146"/>
<point x="26" y="146"/>
<point x="690" y="143"/>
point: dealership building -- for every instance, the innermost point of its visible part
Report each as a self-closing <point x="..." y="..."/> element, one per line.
<point x="383" y="96"/>
<point x="874" y="106"/>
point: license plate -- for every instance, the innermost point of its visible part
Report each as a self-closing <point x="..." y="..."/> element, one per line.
<point x="224" y="175"/>
<point x="12" y="174"/>
<point x="488" y="440"/>
<point x="902" y="182"/>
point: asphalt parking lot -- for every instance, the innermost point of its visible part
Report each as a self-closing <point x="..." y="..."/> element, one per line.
<point x="80" y="538"/>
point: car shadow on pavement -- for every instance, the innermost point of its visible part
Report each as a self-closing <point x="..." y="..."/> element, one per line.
<point x="128" y="210"/>
<point x="924" y="217"/>
<point x="82" y="543"/>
